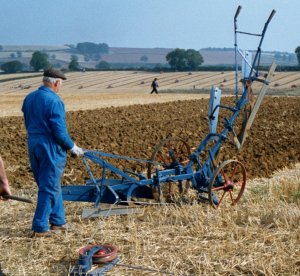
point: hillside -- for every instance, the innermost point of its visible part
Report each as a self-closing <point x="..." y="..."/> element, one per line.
<point x="60" y="56"/>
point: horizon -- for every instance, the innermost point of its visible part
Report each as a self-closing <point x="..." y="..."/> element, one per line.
<point x="149" y="23"/>
<point x="209" y="48"/>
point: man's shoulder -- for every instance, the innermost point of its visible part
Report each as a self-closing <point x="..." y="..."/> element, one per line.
<point x="45" y="93"/>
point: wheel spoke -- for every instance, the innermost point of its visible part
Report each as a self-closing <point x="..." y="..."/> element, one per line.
<point x="234" y="185"/>
<point x="230" y="193"/>
<point x="179" y="151"/>
<point x="161" y="158"/>
<point x="221" y="199"/>
<point x="234" y="171"/>
<point x="218" y="188"/>
<point x="169" y="153"/>
<point x="224" y="175"/>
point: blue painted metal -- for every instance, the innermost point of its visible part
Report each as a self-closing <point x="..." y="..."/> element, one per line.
<point x="246" y="64"/>
<point x="85" y="262"/>
<point x="236" y="51"/>
<point x="253" y="74"/>
<point x="84" y="267"/>
<point x="213" y="108"/>
<point x="127" y="185"/>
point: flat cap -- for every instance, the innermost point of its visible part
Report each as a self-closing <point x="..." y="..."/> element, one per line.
<point x="54" y="73"/>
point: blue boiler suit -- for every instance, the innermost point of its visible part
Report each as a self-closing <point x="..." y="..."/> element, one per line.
<point x="48" y="142"/>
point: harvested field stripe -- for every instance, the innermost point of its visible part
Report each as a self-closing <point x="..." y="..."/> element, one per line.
<point x="201" y="78"/>
<point x="96" y="78"/>
<point x="288" y="80"/>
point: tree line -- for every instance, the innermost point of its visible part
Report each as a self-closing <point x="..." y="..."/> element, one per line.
<point x="178" y="59"/>
<point x="297" y="52"/>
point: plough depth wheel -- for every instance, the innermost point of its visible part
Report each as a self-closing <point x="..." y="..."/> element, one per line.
<point x="169" y="153"/>
<point x="227" y="184"/>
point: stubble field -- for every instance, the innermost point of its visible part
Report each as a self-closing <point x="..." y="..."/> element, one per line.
<point x="259" y="236"/>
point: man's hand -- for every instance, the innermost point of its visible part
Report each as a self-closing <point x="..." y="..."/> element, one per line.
<point x="77" y="150"/>
<point x="4" y="184"/>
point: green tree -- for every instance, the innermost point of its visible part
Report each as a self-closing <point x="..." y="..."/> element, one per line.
<point x="39" y="61"/>
<point x="177" y="59"/>
<point x="19" y="54"/>
<point x="180" y="59"/>
<point x="158" y="67"/>
<point x="74" y="57"/>
<point x="90" y="48"/>
<point x="297" y="52"/>
<point x="194" y="59"/>
<point x="96" y="57"/>
<point x="74" y="65"/>
<point x="144" y="58"/>
<point x="103" y="65"/>
<point x="12" y="66"/>
<point x="13" y="55"/>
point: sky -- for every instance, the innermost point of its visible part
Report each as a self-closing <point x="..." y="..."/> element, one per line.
<point x="187" y="24"/>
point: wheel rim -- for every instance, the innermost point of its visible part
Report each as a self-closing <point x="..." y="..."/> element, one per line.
<point x="227" y="184"/>
<point x="168" y="152"/>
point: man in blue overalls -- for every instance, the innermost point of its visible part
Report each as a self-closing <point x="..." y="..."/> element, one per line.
<point x="48" y="141"/>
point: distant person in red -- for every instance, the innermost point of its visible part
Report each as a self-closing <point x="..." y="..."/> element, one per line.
<point x="154" y="86"/>
<point x="4" y="184"/>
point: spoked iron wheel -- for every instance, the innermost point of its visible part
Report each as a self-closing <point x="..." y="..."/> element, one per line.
<point x="168" y="154"/>
<point x="227" y="184"/>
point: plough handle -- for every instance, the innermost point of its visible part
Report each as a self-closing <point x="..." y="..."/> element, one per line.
<point x="237" y="11"/>
<point x="271" y="16"/>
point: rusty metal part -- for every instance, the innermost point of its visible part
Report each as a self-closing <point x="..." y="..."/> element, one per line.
<point x="227" y="184"/>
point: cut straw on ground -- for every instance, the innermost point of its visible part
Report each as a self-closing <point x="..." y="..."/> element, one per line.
<point x="260" y="236"/>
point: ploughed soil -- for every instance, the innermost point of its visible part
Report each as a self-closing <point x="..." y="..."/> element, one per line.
<point x="134" y="131"/>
